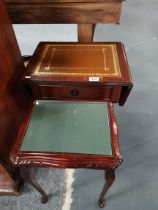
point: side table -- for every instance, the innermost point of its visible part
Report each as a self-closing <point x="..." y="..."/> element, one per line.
<point x="70" y="135"/>
<point x="75" y="71"/>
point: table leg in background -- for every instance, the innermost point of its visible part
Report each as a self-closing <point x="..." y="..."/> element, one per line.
<point x="86" y="32"/>
<point x="27" y="176"/>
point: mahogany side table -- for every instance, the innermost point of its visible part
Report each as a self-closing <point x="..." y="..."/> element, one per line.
<point x="70" y="135"/>
<point x="76" y="71"/>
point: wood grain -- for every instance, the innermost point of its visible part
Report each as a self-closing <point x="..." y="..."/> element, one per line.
<point x="86" y="32"/>
<point x="103" y="12"/>
<point x="57" y="1"/>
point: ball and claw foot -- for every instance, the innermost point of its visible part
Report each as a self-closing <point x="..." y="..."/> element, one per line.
<point x="101" y="203"/>
<point x="44" y="199"/>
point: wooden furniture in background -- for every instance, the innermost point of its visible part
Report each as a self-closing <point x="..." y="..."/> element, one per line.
<point x="13" y="102"/>
<point x="75" y="71"/>
<point x="86" y="13"/>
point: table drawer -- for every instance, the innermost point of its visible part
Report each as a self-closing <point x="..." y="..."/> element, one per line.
<point x="109" y="93"/>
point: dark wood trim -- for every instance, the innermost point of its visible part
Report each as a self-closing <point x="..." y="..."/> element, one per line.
<point x="124" y="94"/>
<point x="56" y="1"/>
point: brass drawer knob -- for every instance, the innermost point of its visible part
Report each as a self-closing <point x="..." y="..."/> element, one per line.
<point x="74" y="92"/>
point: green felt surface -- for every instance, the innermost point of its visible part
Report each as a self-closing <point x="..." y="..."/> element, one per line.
<point x="72" y="127"/>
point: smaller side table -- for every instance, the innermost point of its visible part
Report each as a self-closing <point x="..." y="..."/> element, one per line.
<point x="72" y="71"/>
<point x="68" y="134"/>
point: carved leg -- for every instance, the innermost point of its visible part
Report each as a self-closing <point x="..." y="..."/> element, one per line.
<point x="26" y="175"/>
<point x="86" y="32"/>
<point x="109" y="179"/>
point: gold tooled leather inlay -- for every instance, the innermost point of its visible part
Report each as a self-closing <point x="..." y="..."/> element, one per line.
<point x="80" y="60"/>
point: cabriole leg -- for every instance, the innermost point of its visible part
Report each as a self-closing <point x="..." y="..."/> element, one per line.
<point x="26" y="175"/>
<point x="109" y="179"/>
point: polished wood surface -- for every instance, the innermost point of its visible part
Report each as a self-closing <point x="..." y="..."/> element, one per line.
<point x="65" y="13"/>
<point x="13" y="102"/>
<point x="58" y="1"/>
<point x="97" y="71"/>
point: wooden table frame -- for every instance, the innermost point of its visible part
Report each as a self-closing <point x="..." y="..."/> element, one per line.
<point x="85" y="13"/>
<point x="26" y="160"/>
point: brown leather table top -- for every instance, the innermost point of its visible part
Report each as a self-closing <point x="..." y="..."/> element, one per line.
<point x="99" y="62"/>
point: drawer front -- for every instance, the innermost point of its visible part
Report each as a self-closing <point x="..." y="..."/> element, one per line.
<point x="76" y="92"/>
<point x="101" y="12"/>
